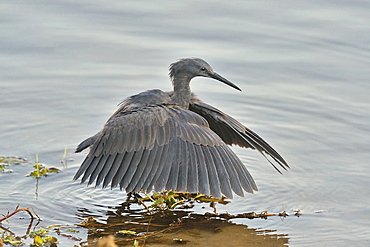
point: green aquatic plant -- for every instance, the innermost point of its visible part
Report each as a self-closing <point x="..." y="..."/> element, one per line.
<point x="63" y="161"/>
<point x="41" y="169"/>
<point x="10" y="160"/>
<point x="12" y="240"/>
<point x="72" y="230"/>
<point x="41" y="238"/>
<point x="127" y="232"/>
<point x="164" y="201"/>
<point x="168" y="200"/>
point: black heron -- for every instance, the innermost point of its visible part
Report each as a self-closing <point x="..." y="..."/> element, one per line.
<point x="173" y="141"/>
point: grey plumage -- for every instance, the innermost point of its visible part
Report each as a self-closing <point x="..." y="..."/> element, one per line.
<point x="174" y="141"/>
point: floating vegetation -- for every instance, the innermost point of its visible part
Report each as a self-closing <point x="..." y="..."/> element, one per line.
<point x="41" y="238"/>
<point x="2" y="168"/>
<point x="12" y="240"/>
<point x="38" y="238"/>
<point x="42" y="170"/>
<point x="127" y="232"/>
<point x="168" y="200"/>
<point x="10" y="160"/>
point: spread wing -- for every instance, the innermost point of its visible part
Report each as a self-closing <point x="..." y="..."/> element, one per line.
<point x="163" y="146"/>
<point x="233" y="132"/>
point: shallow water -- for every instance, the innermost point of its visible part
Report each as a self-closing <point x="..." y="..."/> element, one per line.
<point x="303" y="68"/>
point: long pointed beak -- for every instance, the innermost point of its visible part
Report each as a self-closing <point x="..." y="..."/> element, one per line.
<point x="216" y="76"/>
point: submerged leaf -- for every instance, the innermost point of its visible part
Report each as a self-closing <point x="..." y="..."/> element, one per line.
<point x="37" y="241"/>
<point x="11" y="240"/>
<point x="40" y="232"/>
<point x="49" y="240"/>
<point x="6" y="161"/>
<point x="72" y="230"/>
<point x="157" y="203"/>
<point x="12" y="160"/>
<point x="53" y="169"/>
<point x="53" y="226"/>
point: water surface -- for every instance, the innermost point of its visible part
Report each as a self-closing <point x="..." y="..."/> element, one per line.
<point x="303" y="68"/>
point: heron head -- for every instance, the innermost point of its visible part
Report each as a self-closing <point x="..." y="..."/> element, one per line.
<point x="192" y="67"/>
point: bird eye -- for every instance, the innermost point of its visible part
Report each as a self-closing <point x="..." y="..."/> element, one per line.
<point x="203" y="69"/>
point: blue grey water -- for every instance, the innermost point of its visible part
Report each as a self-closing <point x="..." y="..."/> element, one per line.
<point x="303" y="67"/>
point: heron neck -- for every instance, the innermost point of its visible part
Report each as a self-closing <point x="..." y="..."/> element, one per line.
<point x="181" y="92"/>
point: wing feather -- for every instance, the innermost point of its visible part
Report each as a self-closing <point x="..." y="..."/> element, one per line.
<point x="160" y="163"/>
<point x="84" y="166"/>
<point x="233" y="175"/>
<point x="90" y="168"/>
<point x="245" y="178"/>
<point x="203" y="184"/>
<point x="104" y="171"/>
<point x="137" y="175"/>
<point x="145" y="166"/>
<point x="233" y="132"/>
<point x="154" y="165"/>
<point x="174" y="167"/>
<point x="98" y="168"/>
<point x="131" y="169"/>
<point x="223" y="175"/>
<point x="113" y="171"/>
<point x="125" y="163"/>
<point x="214" y="182"/>
<point x="183" y="167"/>
<point x="192" y="183"/>
<point x="167" y="164"/>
